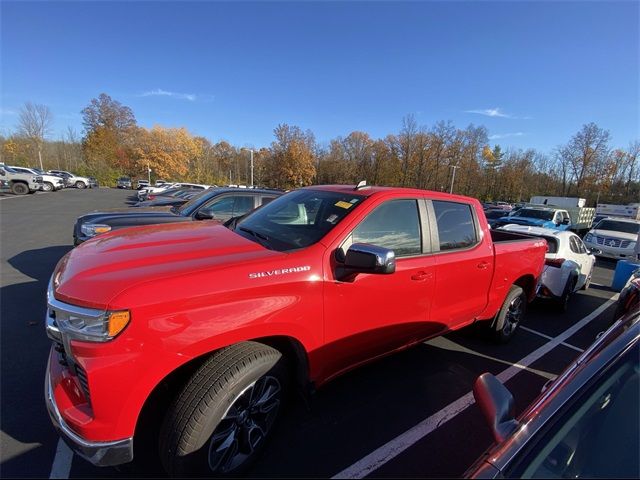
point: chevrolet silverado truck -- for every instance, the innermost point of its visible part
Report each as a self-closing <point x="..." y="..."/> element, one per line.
<point x="20" y="183"/>
<point x="187" y="337"/>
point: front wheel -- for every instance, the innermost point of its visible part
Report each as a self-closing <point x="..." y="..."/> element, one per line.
<point x="20" y="188"/>
<point x="80" y="184"/>
<point x="219" y="422"/>
<point x="47" y="187"/>
<point x="510" y="315"/>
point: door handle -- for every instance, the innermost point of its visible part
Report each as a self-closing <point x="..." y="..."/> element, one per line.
<point x="421" y="276"/>
<point x="483" y="265"/>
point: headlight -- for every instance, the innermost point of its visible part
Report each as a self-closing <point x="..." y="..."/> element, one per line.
<point x="86" y="323"/>
<point x="632" y="245"/>
<point x="38" y="178"/>
<point x="91" y="230"/>
<point x="588" y="237"/>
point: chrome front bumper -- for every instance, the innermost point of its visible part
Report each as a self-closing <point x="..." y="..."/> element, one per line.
<point x="101" y="454"/>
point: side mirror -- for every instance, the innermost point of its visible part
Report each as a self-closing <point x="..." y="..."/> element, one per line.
<point x="204" y="215"/>
<point x="496" y="404"/>
<point x="566" y="221"/>
<point x="366" y="258"/>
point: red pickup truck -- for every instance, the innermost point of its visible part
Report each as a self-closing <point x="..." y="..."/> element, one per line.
<point x="188" y="336"/>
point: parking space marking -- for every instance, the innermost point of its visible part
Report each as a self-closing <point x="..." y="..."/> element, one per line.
<point x="62" y="461"/>
<point x="568" y="345"/>
<point x="396" y="446"/>
<point x="446" y="344"/>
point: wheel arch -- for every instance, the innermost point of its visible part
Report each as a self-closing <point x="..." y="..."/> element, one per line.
<point x="528" y="284"/>
<point x="157" y="402"/>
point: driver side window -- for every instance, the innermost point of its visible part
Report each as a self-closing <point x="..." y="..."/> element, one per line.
<point x="394" y="225"/>
<point x="221" y="209"/>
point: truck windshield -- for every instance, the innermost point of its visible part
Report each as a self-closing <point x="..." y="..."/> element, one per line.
<point x="298" y="219"/>
<point x="625" y="227"/>
<point x="531" y="213"/>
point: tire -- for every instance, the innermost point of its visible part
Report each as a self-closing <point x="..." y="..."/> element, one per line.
<point x="48" y="187"/>
<point x="20" y="188"/>
<point x="510" y="315"/>
<point x="217" y="424"/>
<point x="80" y="184"/>
<point x="587" y="283"/>
<point x="562" y="303"/>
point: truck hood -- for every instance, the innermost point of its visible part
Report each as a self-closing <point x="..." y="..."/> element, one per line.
<point x="615" y="234"/>
<point x="92" y="274"/>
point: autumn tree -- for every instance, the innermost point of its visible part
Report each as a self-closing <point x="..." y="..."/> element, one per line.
<point x="110" y="132"/>
<point x="292" y="162"/>
<point x="35" y="123"/>
<point x="167" y="151"/>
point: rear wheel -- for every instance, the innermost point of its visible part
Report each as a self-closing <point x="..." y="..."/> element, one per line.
<point x="563" y="302"/>
<point x="587" y="283"/>
<point x="220" y="421"/>
<point x="80" y="184"/>
<point x="510" y="315"/>
<point x="20" y="188"/>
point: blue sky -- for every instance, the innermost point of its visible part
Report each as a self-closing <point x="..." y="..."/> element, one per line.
<point x="531" y="72"/>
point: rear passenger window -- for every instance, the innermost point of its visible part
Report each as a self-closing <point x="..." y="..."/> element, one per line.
<point x="394" y="225"/>
<point x="456" y="227"/>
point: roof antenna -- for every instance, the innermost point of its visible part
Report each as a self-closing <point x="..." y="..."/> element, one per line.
<point x="362" y="184"/>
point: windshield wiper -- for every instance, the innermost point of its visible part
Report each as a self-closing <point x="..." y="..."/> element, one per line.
<point x="262" y="238"/>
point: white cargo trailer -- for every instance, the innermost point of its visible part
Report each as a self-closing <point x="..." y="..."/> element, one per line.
<point x="627" y="211"/>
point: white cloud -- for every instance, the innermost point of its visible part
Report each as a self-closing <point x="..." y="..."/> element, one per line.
<point x="158" y="92"/>
<point x="496" y="113"/>
<point x="505" y="135"/>
<point x="8" y="111"/>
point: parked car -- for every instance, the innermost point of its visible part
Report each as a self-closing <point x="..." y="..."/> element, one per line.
<point x="50" y="183"/>
<point x="72" y="180"/>
<point x="214" y="204"/>
<point x="93" y="182"/>
<point x="20" y="183"/>
<point x="614" y="238"/>
<point x="583" y="425"/>
<point x="145" y="192"/>
<point x="568" y="264"/>
<point x="124" y="182"/>
<point x="501" y="206"/>
<point x="4" y="186"/>
<point x="539" y="217"/>
<point x="494" y="216"/>
<point x="142" y="184"/>
<point x="171" y="197"/>
<point x="192" y="333"/>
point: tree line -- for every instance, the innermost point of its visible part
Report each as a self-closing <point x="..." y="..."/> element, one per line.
<point x="438" y="157"/>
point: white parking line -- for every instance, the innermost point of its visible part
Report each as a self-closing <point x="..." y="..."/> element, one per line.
<point x="62" y="461"/>
<point x="551" y="338"/>
<point x="395" y="447"/>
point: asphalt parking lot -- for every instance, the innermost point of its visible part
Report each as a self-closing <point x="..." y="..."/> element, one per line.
<point x="410" y="414"/>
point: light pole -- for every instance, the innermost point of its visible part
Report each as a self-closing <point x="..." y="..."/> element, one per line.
<point x="250" y="151"/>
<point x="149" y="173"/>
<point x="453" y="176"/>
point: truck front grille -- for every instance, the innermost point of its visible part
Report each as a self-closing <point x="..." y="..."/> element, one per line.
<point x="613" y="242"/>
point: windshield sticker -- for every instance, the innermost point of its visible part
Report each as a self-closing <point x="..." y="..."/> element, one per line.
<point x="280" y="271"/>
<point x="355" y="200"/>
<point x="332" y="218"/>
<point x="342" y="204"/>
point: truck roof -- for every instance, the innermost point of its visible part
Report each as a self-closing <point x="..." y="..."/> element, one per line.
<point x="370" y="190"/>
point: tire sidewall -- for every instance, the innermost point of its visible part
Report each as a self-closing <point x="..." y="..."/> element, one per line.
<point x="197" y="462"/>
<point x="19" y="189"/>
<point x="80" y="184"/>
<point x="514" y="293"/>
<point x="48" y="187"/>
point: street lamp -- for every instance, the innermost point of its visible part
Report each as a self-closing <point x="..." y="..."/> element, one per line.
<point x="453" y="176"/>
<point x="251" y="151"/>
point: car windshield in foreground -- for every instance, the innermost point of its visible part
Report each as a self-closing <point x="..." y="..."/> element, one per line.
<point x="616" y="226"/>
<point x="532" y="213"/>
<point x="298" y="219"/>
